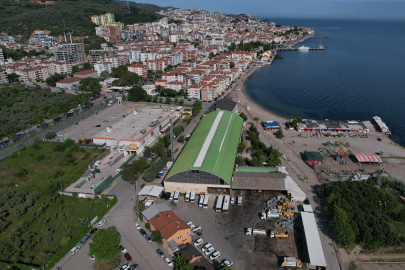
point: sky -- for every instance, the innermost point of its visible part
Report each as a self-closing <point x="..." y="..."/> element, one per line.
<point x="316" y="9"/>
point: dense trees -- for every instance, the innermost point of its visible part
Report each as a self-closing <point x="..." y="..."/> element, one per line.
<point x="363" y="213"/>
<point x="138" y="94"/>
<point x="51" y="81"/>
<point x="197" y="107"/>
<point x="126" y="78"/>
<point x="21" y="107"/>
<point x="90" y="85"/>
<point x="260" y="150"/>
<point x="244" y="117"/>
<point x="105" y="244"/>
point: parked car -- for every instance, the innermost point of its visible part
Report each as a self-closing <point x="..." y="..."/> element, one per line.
<point x="215" y="255"/>
<point x="123" y="250"/>
<point x="142" y="231"/>
<point x="168" y="261"/>
<point x="167" y="196"/>
<point x="101" y="223"/>
<point x="232" y="200"/>
<point x="171" y="196"/>
<point x="206" y="246"/>
<point x="128" y="257"/>
<point x="134" y="266"/>
<point x="92" y="231"/>
<point x="74" y="250"/>
<point x="147" y="237"/>
<point x="125" y="267"/>
<point x="137" y="226"/>
<point x="92" y="257"/>
<point x="227" y="262"/>
<point x="198" y="242"/>
<point x="189" y="223"/>
<point x="209" y="250"/>
<point x="160" y="253"/>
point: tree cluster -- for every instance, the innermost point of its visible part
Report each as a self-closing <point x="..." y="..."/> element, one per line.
<point x="295" y="121"/>
<point x="197" y="107"/>
<point x="364" y="214"/>
<point x="90" y="85"/>
<point x="131" y="171"/>
<point x="105" y="244"/>
<point x="126" y="78"/>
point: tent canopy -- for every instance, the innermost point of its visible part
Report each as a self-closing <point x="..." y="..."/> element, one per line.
<point x="151" y="191"/>
<point x="368" y="157"/>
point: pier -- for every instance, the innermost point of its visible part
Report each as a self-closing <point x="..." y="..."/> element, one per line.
<point x="320" y="48"/>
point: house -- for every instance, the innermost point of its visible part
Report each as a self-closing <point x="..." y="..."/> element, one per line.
<point x="195" y="257"/>
<point x="174" y="230"/>
<point x="68" y="83"/>
<point x="313" y="158"/>
<point x="150" y="88"/>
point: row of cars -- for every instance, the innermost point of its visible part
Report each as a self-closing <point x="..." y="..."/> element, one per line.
<point x="75" y="249"/>
<point x="149" y="239"/>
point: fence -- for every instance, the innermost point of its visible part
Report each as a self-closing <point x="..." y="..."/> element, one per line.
<point x="129" y="160"/>
<point x="104" y="185"/>
<point x="100" y="157"/>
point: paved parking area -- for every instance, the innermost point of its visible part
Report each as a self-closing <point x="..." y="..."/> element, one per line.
<point x="227" y="232"/>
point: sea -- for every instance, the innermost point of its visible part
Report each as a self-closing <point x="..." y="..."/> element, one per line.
<point x="361" y="74"/>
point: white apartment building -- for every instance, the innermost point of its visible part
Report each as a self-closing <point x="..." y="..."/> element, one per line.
<point x="176" y="85"/>
<point x="147" y="56"/>
<point x="103" y="66"/>
<point x="117" y="60"/>
<point x="138" y="69"/>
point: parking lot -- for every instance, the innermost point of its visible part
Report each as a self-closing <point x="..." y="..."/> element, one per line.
<point x="226" y="233"/>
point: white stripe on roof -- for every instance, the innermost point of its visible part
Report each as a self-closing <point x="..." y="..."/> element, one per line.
<point x="204" y="149"/>
<point x="223" y="140"/>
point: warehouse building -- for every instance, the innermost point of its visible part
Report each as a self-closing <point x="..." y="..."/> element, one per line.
<point x="207" y="160"/>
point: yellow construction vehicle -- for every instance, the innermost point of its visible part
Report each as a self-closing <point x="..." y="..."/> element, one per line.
<point x="291" y="262"/>
<point x="280" y="234"/>
<point x="288" y="214"/>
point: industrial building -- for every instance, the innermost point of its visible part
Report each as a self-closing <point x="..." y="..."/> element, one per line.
<point x="136" y="129"/>
<point x="207" y="160"/>
<point x="70" y="53"/>
<point x="314" y="254"/>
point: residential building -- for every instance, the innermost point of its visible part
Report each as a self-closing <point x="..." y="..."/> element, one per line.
<point x="3" y="76"/>
<point x="176" y="85"/>
<point x="117" y="60"/>
<point x="138" y="69"/>
<point x="33" y="74"/>
<point x="150" y="88"/>
<point x="194" y="91"/>
<point x="140" y="34"/>
<point x="71" y="53"/>
<point x="102" y="67"/>
<point x="161" y="82"/>
<point x="1" y="55"/>
<point x="155" y="65"/>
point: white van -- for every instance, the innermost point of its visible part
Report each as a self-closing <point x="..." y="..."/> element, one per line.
<point x="93" y="186"/>
<point x="176" y="196"/>
<point x="118" y="170"/>
<point x="187" y="197"/>
<point x="192" y="197"/>
<point x="97" y="163"/>
<point x="201" y="201"/>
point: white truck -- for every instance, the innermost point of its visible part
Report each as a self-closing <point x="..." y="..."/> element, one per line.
<point x="251" y="231"/>
<point x="239" y="201"/>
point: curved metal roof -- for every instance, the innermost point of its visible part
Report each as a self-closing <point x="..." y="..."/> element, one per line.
<point x="212" y="146"/>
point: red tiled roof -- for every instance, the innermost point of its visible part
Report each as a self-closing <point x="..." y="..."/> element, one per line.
<point x="168" y="223"/>
<point x="85" y="72"/>
<point x="70" y="80"/>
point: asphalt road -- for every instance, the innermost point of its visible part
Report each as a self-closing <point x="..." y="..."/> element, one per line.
<point x="56" y="129"/>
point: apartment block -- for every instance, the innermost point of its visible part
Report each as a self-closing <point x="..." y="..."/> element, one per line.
<point x="138" y="69"/>
<point x="103" y="67"/>
<point x="155" y="65"/>
<point x="70" y="53"/>
<point x="3" y="76"/>
<point x="117" y="60"/>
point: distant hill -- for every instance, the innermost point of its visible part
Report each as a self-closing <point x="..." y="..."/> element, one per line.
<point x="147" y="7"/>
<point x="23" y="17"/>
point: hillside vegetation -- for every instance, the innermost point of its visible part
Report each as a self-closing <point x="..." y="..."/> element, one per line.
<point x="23" y="17"/>
<point x="147" y="7"/>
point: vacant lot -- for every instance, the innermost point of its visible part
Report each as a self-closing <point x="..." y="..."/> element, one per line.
<point x="35" y="222"/>
<point x="227" y="232"/>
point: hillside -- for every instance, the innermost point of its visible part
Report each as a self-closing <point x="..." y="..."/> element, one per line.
<point x="147" y="7"/>
<point x="23" y="17"/>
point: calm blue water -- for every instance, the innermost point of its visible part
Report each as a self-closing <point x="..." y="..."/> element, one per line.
<point x="360" y="74"/>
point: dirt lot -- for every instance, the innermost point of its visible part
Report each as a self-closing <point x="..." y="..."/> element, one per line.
<point x="227" y="232"/>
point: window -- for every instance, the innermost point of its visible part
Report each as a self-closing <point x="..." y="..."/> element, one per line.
<point x="179" y="237"/>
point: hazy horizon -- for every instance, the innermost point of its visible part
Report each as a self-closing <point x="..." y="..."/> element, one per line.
<point x="309" y="9"/>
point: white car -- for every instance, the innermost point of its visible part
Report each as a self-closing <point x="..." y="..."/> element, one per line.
<point x="232" y="200"/>
<point x="74" y="250"/>
<point x="171" y="196"/>
<point x="228" y="262"/>
<point x="272" y="234"/>
<point x="113" y="117"/>
<point x="198" y="242"/>
<point x="168" y="261"/>
<point x="206" y="246"/>
<point x="92" y="257"/>
<point x="125" y="266"/>
<point x="209" y="251"/>
<point x="137" y="226"/>
<point x="189" y="223"/>
<point x="215" y="255"/>
<point x="124" y="250"/>
<point x="101" y="223"/>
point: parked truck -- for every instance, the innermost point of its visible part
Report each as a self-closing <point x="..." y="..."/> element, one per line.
<point x="281" y="234"/>
<point x="270" y="214"/>
<point x="251" y="231"/>
<point x="291" y="262"/>
<point x="239" y="201"/>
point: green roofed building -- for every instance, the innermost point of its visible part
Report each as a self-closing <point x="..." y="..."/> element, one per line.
<point x="208" y="159"/>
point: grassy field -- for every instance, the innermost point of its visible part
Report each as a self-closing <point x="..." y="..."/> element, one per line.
<point x="30" y="167"/>
<point x="35" y="222"/>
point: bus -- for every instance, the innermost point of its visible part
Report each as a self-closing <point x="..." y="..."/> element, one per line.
<point x="206" y="200"/>
<point x="176" y="196"/>
<point x="201" y="201"/>
<point x="218" y="206"/>
<point x="187" y="196"/>
<point x="225" y="207"/>
<point x="192" y="197"/>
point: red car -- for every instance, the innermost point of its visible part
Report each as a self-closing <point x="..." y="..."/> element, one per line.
<point x="128" y="257"/>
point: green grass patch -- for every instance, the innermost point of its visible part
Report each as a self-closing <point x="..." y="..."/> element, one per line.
<point x="141" y="207"/>
<point x="31" y="166"/>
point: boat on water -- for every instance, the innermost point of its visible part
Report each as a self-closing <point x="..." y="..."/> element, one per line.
<point x="303" y="48"/>
<point x="381" y="124"/>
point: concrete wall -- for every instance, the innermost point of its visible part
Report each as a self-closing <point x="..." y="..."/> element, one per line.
<point x="197" y="188"/>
